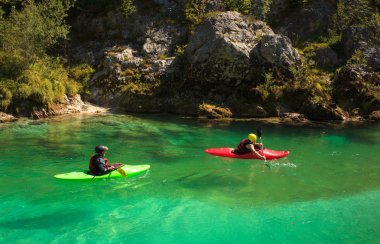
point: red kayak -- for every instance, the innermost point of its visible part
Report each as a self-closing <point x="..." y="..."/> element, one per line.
<point x="228" y="152"/>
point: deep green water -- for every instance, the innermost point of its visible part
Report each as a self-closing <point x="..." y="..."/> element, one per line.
<point x="326" y="191"/>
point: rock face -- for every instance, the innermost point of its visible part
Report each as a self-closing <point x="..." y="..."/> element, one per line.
<point x="325" y="57"/>
<point x="323" y="112"/>
<point x="314" y="19"/>
<point x="356" y="37"/>
<point x="219" y="49"/>
<point x="162" y="39"/>
<point x="355" y="88"/>
<point x="276" y="53"/>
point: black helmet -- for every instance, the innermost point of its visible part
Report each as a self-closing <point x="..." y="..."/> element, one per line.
<point x="100" y="149"/>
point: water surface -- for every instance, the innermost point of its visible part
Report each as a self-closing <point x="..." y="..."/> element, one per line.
<point x="326" y="191"/>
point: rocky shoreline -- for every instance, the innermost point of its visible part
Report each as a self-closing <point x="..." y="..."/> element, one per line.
<point x="68" y="106"/>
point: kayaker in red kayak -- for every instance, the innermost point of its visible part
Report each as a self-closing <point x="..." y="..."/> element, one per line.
<point x="249" y="145"/>
<point x="99" y="164"/>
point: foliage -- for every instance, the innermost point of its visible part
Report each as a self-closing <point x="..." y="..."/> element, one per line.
<point x="127" y="8"/>
<point x="46" y="81"/>
<point x="357" y="58"/>
<point x="11" y="64"/>
<point x="27" y="32"/>
<point x="180" y="50"/>
<point x="195" y="12"/>
<point x="242" y="6"/>
<point x="352" y="13"/>
<point x="261" y="8"/>
<point x="35" y="28"/>
<point x="5" y="94"/>
<point x="82" y="74"/>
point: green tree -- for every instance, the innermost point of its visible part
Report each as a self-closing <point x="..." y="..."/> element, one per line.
<point x="35" y="28"/>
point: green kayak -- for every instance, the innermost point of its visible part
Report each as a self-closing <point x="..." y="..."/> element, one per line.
<point x="130" y="170"/>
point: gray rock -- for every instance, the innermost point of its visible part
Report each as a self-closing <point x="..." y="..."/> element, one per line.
<point x="162" y="39"/>
<point x="219" y="49"/>
<point x="356" y="37"/>
<point x="322" y="54"/>
<point x="357" y="86"/>
<point x="293" y="118"/>
<point x="275" y="52"/>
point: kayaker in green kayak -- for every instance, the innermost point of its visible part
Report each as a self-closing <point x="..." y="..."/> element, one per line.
<point x="249" y="145"/>
<point x="99" y="164"/>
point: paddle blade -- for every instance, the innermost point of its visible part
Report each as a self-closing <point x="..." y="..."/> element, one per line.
<point x="122" y="172"/>
<point x="259" y="132"/>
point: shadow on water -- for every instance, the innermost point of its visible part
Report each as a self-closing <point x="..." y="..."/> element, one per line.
<point x="46" y="221"/>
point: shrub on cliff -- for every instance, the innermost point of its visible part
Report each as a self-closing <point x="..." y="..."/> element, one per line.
<point x="45" y="82"/>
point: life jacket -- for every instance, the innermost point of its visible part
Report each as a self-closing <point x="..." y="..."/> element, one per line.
<point x="241" y="148"/>
<point x="92" y="167"/>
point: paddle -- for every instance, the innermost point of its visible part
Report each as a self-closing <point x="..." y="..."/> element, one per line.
<point x="259" y="134"/>
<point x="121" y="171"/>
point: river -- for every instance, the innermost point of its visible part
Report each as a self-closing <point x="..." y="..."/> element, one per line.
<point x="326" y="191"/>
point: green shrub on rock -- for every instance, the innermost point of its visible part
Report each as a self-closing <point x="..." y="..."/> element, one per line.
<point x="45" y="82"/>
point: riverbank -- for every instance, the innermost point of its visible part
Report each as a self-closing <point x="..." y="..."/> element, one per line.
<point x="68" y="106"/>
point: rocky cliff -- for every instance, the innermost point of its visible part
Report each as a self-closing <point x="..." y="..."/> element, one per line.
<point x="233" y="58"/>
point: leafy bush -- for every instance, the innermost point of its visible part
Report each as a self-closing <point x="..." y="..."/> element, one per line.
<point x="11" y="64"/>
<point x="242" y="6"/>
<point x="45" y="82"/>
<point x="5" y="97"/>
<point x="127" y="8"/>
<point x="195" y="12"/>
<point x="82" y="73"/>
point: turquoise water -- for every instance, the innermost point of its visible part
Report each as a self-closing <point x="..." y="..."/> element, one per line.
<point x="326" y="191"/>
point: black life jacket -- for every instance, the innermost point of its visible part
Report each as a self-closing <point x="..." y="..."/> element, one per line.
<point x="92" y="168"/>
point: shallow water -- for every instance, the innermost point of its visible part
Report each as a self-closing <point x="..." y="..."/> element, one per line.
<point x="326" y="191"/>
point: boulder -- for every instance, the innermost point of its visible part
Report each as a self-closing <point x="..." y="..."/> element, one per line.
<point x="323" y="111"/>
<point x="325" y="57"/>
<point x="375" y="115"/>
<point x="355" y="86"/>
<point x="6" y="117"/>
<point x="218" y="51"/>
<point x="214" y="112"/>
<point x="371" y="55"/>
<point x="275" y="52"/>
<point x="293" y="118"/>
<point x="161" y="39"/>
<point x="357" y="37"/>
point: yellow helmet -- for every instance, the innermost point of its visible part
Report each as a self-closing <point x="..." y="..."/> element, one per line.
<point x="252" y="137"/>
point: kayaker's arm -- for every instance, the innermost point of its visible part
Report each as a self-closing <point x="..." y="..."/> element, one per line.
<point x="252" y="148"/>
